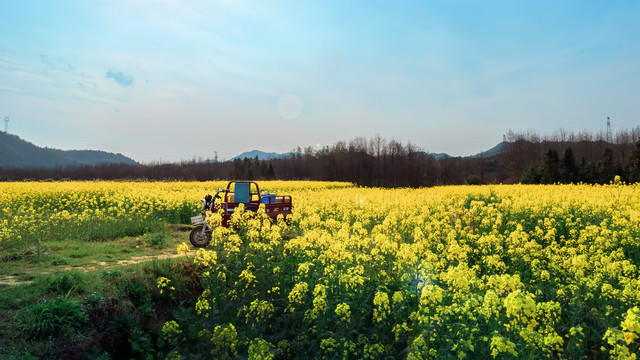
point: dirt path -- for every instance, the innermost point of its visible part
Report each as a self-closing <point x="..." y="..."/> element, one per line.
<point x="13" y="280"/>
<point x="134" y="260"/>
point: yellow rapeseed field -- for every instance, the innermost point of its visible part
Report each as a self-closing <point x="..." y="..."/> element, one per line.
<point x="478" y="272"/>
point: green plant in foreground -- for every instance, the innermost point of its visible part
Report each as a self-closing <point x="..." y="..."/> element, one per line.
<point x="56" y="318"/>
<point x="138" y="294"/>
<point x="94" y="301"/>
<point x="158" y="239"/>
<point x="66" y="282"/>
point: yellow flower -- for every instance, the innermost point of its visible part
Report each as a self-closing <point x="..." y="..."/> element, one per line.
<point x="224" y="340"/>
<point x="500" y="344"/>
<point x="381" y="306"/>
<point x="202" y="306"/>
<point x="260" y="349"/>
<point x="343" y="311"/>
<point x="171" y="331"/>
<point x="205" y="258"/>
<point x="183" y="249"/>
<point x="296" y="296"/>
<point x="162" y="284"/>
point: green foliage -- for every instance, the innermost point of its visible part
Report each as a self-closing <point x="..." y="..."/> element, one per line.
<point x="66" y="282"/>
<point x="122" y="326"/>
<point x="134" y="342"/>
<point x="56" y="318"/>
<point x="18" y="355"/>
<point x="568" y="167"/>
<point x="123" y="307"/>
<point x="95" y="300"/>
<point x="139" y="294"/>
<point x="633" y="165"/>
<point x="474" y="180"/>
<point x="58" y="261"/>
<point x="551" y="170"/>
<point x="550" y="167"/>
<point x="157" y="239"/>
<point x="97" y="354"/>
<point x="111" y="274"/>
<point x="530" y="176"/>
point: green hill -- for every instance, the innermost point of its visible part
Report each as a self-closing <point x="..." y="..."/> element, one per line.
<point x="21" y="154"/>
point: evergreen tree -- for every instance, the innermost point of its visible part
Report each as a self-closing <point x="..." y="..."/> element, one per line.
<point x="550" y="167"/>
<point x="633" y="165"/>
<point x="568" y="168"/>
<point x="530" y="176"/>
<point x="271" y="175"/>
<point x="607" y="167"/>
<point x="582" y="171"/>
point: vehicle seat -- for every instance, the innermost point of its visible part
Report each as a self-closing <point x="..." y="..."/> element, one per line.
<point x="242" y="193"/>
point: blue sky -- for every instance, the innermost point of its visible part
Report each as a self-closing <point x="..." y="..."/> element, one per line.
<point x="170" y="80"/>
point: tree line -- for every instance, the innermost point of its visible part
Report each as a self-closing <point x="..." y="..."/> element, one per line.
<point x="554" y="169"/>
<point x="524" y="157"/>
<point x="574" y="157"/>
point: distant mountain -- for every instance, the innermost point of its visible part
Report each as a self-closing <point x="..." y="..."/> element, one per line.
<point x="260" y="154"/>
<point x="493" y="151"/>
<point x="18" y="153"/>
<point x="485" y="154"/>
<point x="439" y="156"/>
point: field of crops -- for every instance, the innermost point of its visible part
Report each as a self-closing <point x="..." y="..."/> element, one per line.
<point x="449" y="272"/>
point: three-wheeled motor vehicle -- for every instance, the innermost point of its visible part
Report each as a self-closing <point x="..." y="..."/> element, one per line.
<point x="236" y="193"/>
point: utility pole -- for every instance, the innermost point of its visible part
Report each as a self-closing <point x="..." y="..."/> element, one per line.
<point x="609" y="137"/>
<point x="6" y="124"/>
<point x="215" y="156"/>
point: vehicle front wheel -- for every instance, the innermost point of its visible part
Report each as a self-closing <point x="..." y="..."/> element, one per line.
<point x="198" y="238"/>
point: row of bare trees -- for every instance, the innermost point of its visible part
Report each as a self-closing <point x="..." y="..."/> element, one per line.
<point x="526" y="157"/>
<point x="367" y="162"/>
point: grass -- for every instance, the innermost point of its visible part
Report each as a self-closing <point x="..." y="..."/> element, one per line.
<point x="91" y="291"/>
<point x="27" y="276"/>
<point x="29" y="265"/>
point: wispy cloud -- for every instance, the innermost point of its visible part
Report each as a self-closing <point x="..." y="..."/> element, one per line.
<point x="57" y="64"/>
<point x="120" y="78"/>
<point x="45" y="59"/>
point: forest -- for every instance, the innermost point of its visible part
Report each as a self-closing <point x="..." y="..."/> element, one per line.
<point x="526" y="157"/>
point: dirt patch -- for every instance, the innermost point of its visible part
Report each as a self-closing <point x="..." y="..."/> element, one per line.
<point x="12" y="280"/>
<point x="97" y="265"/>
<point x="139" y="259"/>
<point x="101" y="265"/>
<point x="180" y="227"/>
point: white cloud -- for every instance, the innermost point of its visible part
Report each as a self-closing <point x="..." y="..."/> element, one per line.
<point x="120" y="78"/>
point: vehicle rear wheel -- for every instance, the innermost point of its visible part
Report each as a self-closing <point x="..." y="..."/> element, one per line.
<point x="198" y="238"/>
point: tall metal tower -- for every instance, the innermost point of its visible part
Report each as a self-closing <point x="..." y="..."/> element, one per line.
<point x="609" y="130"/>
<point x="6" y="124"/>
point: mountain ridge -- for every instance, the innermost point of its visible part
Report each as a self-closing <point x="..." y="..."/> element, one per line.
<point x="262" y="155"/>
<point x="16" y="152"/>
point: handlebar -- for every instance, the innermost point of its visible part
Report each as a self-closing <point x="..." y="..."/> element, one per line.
<point x="209" y="200"/>
<point x="220" y="191"/>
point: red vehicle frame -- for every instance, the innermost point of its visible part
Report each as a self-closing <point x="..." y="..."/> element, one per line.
<point x="274" y="205"/>
<point x="243" y="192"/>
